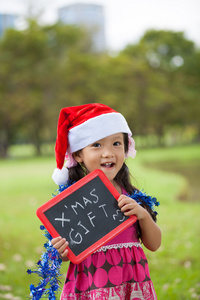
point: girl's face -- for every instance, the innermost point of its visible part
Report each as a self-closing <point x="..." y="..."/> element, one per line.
<point x="106" y="154"/>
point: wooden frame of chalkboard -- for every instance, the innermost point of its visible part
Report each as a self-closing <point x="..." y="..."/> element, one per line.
<point x="86" y="214"/>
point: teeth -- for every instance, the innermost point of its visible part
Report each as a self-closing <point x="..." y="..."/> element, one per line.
<point x="108" y="164"/>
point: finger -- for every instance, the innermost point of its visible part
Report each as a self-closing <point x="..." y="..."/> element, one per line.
<point x="59" y="243"/>
<point x="64" y="254"/>
<point x="122" y="202"/>
<point x="125" y="200"/>
<point x="121" y="198"/>
<point x="129" y="212"/>
<point x="127" y="206"/>
<point x="55" y="240"/>
<point x="63" y="247"/>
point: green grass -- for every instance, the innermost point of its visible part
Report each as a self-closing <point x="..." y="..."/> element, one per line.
<point x="26" y="184"/>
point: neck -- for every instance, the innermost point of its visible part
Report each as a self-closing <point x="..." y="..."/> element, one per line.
<point x="117" y="186"/>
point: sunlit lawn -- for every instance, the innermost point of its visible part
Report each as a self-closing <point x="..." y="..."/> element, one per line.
<point x="26" y="183"/>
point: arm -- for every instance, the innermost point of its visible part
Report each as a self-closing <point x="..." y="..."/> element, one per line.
<point x="150" y="231"/>
<point x="60" y="244"/>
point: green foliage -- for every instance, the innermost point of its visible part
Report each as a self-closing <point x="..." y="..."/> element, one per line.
<point x="171" y="91"/>
<point x="33" y="81"/>
<point x="26" y="184"/>
<point x="154" y="83"/>
<point x="162" y="49"/>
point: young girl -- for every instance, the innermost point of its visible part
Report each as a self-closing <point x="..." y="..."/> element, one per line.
<point x="94" y="136"/>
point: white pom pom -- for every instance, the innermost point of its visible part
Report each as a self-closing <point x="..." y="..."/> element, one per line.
<point x="60" y="177"/>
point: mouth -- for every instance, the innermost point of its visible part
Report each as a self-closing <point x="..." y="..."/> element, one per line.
<point x="107" y="165"/>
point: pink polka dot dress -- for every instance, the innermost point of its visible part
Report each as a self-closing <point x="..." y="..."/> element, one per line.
<point x="118" y="270"/>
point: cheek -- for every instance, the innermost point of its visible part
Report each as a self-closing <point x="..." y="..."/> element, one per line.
<point x="122" y="155"/>
<point x="90" y="160"/>
<point x="121" y="158"/>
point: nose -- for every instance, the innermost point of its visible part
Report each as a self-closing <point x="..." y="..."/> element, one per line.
<point x="107" y="152"/>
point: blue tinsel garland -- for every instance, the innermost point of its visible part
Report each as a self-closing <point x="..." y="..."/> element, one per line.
<point x="48" y="268"/>
<point x="139" y="196"/>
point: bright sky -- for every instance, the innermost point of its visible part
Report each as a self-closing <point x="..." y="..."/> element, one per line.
<point x="127" y="20"/>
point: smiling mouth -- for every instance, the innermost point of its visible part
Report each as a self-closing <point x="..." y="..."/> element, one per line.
<point x="108" y="165"/>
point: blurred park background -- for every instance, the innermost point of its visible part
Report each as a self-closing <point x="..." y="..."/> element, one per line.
<point x="155" y="84"/>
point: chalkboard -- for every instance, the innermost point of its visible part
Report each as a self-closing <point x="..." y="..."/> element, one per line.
<point x="86" y="214"/>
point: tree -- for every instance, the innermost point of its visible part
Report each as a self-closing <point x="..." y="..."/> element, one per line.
<point x="32" y="81"/>
<point x="167" y="56"/>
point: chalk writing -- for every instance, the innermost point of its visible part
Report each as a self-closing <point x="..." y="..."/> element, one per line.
<point x="118" y="213"/>
<point x="62" y="219"/>
<point x="103" y="207"/>
<point x="77" y="235"/>
<point x="86" y="215"/>
<point x="83" y="227"/>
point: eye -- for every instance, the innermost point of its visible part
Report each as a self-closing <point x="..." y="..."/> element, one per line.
<point x="117" y="144"/>
<point x="96" y="145"/>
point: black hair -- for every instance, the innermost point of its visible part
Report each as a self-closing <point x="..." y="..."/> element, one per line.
<point x="123" y="177"/>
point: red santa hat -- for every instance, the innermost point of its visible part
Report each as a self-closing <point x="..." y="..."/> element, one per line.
<point x="80" y="126"/>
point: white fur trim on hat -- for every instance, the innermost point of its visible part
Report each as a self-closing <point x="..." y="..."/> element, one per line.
<point x="60" y="177"/>
<point x="95" y="129"/>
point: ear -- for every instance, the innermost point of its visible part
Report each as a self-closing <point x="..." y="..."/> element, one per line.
<point x="77" y="156"/>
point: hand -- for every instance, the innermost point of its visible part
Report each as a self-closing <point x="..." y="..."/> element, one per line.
<point x="130" y="207"/>
<point x="61" y="244"/>
<point x="150" y="231"/>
